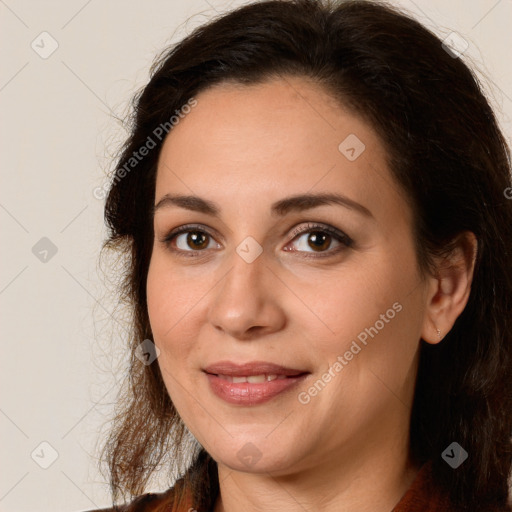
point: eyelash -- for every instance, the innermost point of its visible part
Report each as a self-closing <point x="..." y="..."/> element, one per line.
<point x="339" y="236"/>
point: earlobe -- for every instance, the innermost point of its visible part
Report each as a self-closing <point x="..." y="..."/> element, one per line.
<point x="450" y="289"/>
<point x="432" y="335"/>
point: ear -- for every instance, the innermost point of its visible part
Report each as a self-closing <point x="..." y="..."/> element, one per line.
<point x="449" y="289"/>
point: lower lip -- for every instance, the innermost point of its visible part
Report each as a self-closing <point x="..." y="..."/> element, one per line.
<point x="245" y="393"/>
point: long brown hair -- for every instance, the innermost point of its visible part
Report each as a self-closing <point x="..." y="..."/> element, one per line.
<point x="446" y="151"/>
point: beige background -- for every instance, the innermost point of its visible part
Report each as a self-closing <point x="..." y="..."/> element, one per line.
<point x="57" y="137"/>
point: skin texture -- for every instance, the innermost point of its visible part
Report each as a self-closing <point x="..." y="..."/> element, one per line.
<point x="243" y="148"/>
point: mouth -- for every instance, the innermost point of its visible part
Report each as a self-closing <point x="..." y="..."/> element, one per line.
<point x="252" y="369"/>
<point x="251" y="383"/>
<point x="252" y="379"/>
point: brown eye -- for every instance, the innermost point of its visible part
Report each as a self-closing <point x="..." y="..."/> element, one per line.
<point x="188" y="239"/>
<point x="319" y="239"/>
<point x="191" y="241"/>
<point x="196" y="240"/>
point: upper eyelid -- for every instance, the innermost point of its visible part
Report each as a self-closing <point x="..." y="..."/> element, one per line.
<point x="295" y="232"/>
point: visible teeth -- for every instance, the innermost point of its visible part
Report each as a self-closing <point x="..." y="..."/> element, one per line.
<point x="256" y="379"/>
<point x="252" y="379"/>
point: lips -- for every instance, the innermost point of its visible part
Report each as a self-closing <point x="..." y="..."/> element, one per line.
<point x="250" y="384"/>
<point x="230" y="369"/>
<point x="252" y="379"/>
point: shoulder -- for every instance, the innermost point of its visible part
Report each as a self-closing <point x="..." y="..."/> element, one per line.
<point x="424" y="496"/>
<point x="150" y="502"/>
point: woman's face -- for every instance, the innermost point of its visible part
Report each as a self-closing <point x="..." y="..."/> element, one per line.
<point x="343" y="307"/>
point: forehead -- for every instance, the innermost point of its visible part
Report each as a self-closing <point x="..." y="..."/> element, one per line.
<point x="284" y="134"/>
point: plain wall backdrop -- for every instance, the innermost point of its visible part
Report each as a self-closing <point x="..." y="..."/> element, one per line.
<point x="69" y="67"/>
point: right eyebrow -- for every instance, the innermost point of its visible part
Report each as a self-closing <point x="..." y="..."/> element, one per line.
<point x="282" y="207"/>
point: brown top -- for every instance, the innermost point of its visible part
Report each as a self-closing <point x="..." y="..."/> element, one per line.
<point x="421" y="496"/>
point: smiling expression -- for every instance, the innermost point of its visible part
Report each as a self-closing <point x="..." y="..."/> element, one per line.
<point x="273" y="243"/>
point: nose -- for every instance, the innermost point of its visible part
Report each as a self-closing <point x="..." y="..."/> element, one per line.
<point x="246" y="303"/>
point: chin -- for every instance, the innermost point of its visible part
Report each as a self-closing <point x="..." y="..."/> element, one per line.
<point x="258" y="455"/>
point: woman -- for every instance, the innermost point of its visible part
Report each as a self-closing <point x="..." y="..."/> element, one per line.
<point x="313" y="204"/>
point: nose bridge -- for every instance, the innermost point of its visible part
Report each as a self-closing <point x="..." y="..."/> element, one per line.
<point x="244" y="283"/>
<point x="248" y="266"/>
<point x="245" y="299"/>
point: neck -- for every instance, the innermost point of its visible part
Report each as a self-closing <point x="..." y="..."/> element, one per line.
<point x="375" y="484"/>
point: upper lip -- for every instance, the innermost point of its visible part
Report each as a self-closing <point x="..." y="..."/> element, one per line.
<point x="250" y="368"/>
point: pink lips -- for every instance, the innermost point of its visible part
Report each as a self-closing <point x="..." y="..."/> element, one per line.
<point x="251" y="383"/>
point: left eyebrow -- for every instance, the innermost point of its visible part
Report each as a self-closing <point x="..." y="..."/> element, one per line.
<point x="279" y="208"/>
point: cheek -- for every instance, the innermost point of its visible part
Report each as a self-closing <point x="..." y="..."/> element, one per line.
<point x="353" y="304"/>
<point x="164" y="312"/>
<point x="372" y="318"/>
<point x="158" y="301"/>
<point x="169" y="296"/>
<point x="174" y="303"/>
